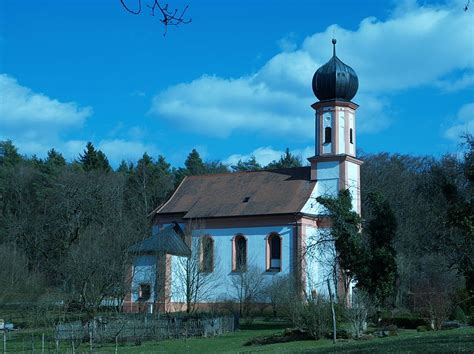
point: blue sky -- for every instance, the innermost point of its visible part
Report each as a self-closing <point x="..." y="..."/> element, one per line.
<point x="234" y="82"/>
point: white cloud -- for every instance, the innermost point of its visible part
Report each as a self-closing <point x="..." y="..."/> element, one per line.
<point x="463" y="123"/>
<point x="287" y="43"/>
<point x="20" y="106"/>
<point x="34" y="121"/>
<point x="217" y="107"/>
<point x="416" y="46"/>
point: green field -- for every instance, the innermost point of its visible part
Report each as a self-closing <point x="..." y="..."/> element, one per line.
<point x="449" y="341"/>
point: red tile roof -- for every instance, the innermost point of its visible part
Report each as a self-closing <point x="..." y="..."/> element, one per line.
<point x="265" y="192"/>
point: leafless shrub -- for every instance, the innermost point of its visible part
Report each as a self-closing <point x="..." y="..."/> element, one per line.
<point x="314" y="316"/>
<point x="362" y="306"/>
<point x="196" y="275"/>
<point x="434" y="290"/>
<point x="248" y="286"/>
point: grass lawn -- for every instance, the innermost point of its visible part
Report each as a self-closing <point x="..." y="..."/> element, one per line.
<point x="458" y="340"/>
<point x="452" y="341"/>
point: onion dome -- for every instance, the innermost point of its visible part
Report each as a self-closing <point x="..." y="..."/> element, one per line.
<point x="335" y="80"/>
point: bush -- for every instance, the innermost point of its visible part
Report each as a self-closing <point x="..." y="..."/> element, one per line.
<point x="315" y="316"/>
<point x="406" y="322"/>
<point x="422" y="329"/>
<point x="458" y="315"/>
<point x="341" y="334"/>
<point x="392" y="330"/>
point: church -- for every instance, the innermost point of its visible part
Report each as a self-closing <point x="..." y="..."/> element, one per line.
<point x="263" y="221"/>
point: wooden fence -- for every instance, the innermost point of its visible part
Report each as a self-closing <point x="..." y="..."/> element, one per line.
<point x="127" y="329"/>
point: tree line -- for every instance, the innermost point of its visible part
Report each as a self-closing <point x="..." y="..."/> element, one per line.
<point x="65" y="227"/>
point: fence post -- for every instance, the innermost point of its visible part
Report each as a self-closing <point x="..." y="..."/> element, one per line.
<point x="4" y="341"/>
<point x="42" y="343"/>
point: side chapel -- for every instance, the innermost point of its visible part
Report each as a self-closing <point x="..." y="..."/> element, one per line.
<point x="261" y="219"/>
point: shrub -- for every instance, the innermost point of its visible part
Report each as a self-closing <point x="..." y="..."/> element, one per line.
<point x="422" y="329"/>
<point x="406" y="322"/>
<point x="458" y="315"/>
<point x="392" y="330"/>
<point x="342" y="334"/>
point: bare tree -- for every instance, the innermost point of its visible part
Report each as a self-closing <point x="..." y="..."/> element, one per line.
<point x="248" y="285"/>
<point x="434" y="290"/>
<point x="321" y="249"/>
<point x="168" y="16"/>
<point x="357" y="313"/>
<point x="196" y="275"/>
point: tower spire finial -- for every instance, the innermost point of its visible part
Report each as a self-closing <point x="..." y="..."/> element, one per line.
<point x="334" y="41"/>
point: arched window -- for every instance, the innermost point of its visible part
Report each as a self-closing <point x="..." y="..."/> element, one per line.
<point x="351" y="139"/>
<point x="274" y="252"/>
<point x="240" y="254"/>
<point x="144" y="291"/>
<point x="207" y="254"/>
<point x="327" y="135"/>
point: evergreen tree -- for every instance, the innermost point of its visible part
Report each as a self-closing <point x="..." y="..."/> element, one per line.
<point x="194" y="164"/>
<point x="124" y="167"/>
<point x="249" y="165"/>
<point x="345" y="231"/>
<point x="287" y="160"/>
<point x="379" y="274"/>
<point x="9" y="155"/>
<point x="459" y="245"/>
<point x="55" y="159"/>
<point x="93" y="159"/>
<point x="212" y="167"/>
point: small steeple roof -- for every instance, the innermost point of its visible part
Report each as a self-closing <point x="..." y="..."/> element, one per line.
<point x="335" y="80"/>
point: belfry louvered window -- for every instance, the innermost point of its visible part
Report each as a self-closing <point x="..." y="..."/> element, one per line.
<point x="327" y="135"/>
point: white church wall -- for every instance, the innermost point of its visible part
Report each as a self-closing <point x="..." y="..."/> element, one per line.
<point x="353" y="184"/>
<point x="144" y="272"/>
<point x="256" y="257"/>
<point x="319" y="261"/>
<point x="327" y="184"/>
<point x="342" y="132"/>
<point x="352" y="126"/>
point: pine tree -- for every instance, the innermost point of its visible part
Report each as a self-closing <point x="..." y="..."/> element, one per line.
<point x="93" y="159"/>
<point x="194" y="164"/>
<point x="379" y="275"/>
<point x="287" y="160"/>
<point x="345" y="231"/>
<point x="55" y="159"/>
<point x="249" y="165"/>
<point x="9" y="155"/>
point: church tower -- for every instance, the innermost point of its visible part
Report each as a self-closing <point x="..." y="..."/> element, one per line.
<point x="335" y="166"/>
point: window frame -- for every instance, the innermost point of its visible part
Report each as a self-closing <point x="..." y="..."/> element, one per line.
<point x="202" y="265"/>
<point x="269" y="249"/>
<point x="235" y="267"/>
<point x="140" y="291"/>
